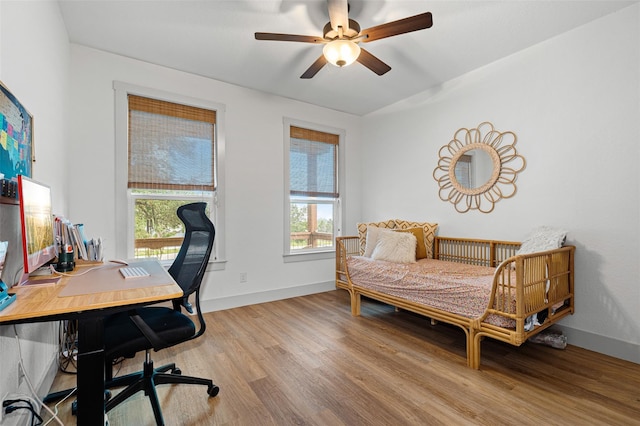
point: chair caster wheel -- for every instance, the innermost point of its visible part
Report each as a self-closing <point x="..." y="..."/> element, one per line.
<point x="213" y="390"/>
<point x="176" y="371"/>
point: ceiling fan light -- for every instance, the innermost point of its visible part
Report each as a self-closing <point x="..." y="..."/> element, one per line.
<point x="341" y="52"/>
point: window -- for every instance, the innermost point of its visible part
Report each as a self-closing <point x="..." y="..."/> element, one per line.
<point x="171" y="158"/>
<point x="312" y="194"/>
<point x="463" y="171"/>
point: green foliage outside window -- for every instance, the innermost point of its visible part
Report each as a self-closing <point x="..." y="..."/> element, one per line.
<point x="158" y="231"/>
<point x="299" y="223"/>
<point x="157" y="218"/>
<point x="301" y="236"/>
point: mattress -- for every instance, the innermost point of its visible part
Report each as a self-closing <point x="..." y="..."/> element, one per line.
<point x="458" y="288"/>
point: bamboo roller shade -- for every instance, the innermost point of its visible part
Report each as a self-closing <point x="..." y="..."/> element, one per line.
<point x="313" y="135"/>
<point x="155" y="106"/>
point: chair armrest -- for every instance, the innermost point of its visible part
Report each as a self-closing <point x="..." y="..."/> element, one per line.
<point x="147" y="331"/>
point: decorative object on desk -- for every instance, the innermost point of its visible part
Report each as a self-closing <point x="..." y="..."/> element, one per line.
<point x="16" y="136"/>
<point x="478" y="168"/>
<point x="6" y="298"/>
<point x="95" y="249"/>
<point x="66" y="260"/>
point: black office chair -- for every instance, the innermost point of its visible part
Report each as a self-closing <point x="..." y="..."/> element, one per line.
<point x="157" y="327"/>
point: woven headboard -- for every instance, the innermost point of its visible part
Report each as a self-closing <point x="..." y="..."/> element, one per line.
<point x="428" y="228"/>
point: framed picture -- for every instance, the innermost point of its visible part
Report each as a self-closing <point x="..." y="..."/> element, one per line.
<point x="16" y="136"/>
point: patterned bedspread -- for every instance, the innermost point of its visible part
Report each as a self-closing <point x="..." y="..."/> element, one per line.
<point x="449" y="286"/>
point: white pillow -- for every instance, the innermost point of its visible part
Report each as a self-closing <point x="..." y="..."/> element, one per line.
<point x="542" y="239"/>
<point x="399" y="247"/>
<point x="373" y="235"/>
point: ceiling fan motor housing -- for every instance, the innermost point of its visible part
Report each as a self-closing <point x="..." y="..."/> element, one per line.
<point x="330" y="34"/>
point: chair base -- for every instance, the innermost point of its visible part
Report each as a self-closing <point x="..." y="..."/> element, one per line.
<point x="147" y="380"/>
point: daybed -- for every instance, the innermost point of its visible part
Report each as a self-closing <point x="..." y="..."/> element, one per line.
<point x="485" y="287"/>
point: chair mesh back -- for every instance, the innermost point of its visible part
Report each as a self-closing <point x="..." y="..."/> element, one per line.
<point x="191" y="262"/>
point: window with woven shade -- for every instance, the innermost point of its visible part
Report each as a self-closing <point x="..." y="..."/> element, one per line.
<point x="463" y="171"/>
<point x="171" y="161"/>
<point x="171" y="146"/>
<point x="313" y="192"/>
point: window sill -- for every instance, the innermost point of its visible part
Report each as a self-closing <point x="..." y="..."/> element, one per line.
<point x="306" y="257"/>
<point x="216" y="265"/>
<point x="213" y="265"/>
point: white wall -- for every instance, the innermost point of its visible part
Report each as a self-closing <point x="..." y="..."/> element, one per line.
<point x="573" y="102"/>
<point x="34" y="59"/>
<point x="254" y="177"/>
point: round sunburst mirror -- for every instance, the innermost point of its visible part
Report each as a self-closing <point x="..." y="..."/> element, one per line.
<point x="478" y="168"/>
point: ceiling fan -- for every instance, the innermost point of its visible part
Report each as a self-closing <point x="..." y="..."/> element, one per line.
<point x="341" y="36"/>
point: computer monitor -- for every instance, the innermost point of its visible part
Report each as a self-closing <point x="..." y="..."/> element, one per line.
<point x="36" y="220"/>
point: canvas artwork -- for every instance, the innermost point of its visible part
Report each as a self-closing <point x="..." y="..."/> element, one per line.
<point x="16" y="136"/>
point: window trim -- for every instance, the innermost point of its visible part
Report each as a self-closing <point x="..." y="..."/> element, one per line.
<point x="320" y="253"/>
<point x="124" y="247"/>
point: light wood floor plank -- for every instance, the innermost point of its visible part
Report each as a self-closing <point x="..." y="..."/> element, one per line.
<point x="307" y="361"/>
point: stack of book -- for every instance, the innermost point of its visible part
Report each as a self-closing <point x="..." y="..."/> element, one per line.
<point x="71" y="237"/>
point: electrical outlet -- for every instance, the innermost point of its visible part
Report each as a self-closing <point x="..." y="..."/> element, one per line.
<point x="243" y="277"/>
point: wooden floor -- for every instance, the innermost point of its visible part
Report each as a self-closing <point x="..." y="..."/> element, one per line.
<point x="307" y="361"/>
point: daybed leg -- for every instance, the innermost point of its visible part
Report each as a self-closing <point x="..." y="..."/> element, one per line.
<point x="469" y="334"/>
<point x="474" y="351"/>
<point x="355" y="303"/>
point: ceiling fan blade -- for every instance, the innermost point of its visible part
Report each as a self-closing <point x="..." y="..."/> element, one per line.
<point x="288" y="37"/>
<point x="315" y="67"/>
<point x="373" y="63"/>
<point x="401" y="26"/>
<point x="338" y="14"/>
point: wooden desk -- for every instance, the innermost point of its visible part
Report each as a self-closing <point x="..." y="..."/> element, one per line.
<point x="94" y="295"/>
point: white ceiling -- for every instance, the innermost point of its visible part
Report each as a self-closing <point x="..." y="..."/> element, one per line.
<point x="215" y="38"/>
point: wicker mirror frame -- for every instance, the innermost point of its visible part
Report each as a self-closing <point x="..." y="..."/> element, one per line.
<point x="507" y="163"/>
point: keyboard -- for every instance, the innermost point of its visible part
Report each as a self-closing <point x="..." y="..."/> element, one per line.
<point x="133" y="272"/>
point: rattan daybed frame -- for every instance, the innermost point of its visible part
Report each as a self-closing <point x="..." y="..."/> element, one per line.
<point x="533" y="273"/>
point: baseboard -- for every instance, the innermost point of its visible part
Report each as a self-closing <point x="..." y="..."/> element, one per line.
<point x="212" y="305"/>
<point x="602" y="344"/>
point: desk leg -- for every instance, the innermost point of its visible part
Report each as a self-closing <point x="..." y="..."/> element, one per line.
<point x="90" y="379"/>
